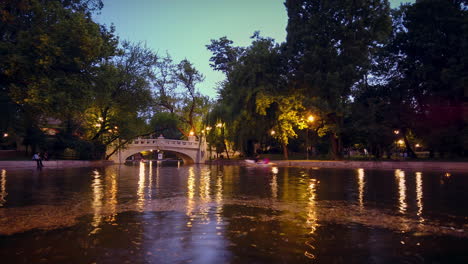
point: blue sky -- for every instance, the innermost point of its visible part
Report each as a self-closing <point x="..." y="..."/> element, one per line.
<point x="184" y="27"/>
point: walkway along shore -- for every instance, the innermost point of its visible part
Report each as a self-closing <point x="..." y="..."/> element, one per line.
<point x="4" y="164"/>
<point x="386" y="165"/>
<point x="409" y="165"/>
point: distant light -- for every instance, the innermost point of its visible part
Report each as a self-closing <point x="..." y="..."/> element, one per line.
<point x="151" y="150"/>
<point x="98" y="125"/>
<point x="417" y="145"/>
<point x="447" y="174"/>
<point x="274" y="170"/>
<point x="272" y="132"/>
<point x="310" y="118"/>
<point x="191" y="133"/>
<point x="219" y="125"/>
<point x="208" y="128"/>
<point x="5" y="135"/>
<point x="100" y="119"/>
<point x="401" y="142"/>
<point x="396" y="132"/>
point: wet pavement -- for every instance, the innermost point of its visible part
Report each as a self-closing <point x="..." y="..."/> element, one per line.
<point x="163" y="213"/>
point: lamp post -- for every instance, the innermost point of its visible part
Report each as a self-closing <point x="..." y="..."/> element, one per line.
<point x="309" y="120"/>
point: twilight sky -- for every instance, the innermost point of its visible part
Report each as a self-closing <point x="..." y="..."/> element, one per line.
<point x="184" y="27"/>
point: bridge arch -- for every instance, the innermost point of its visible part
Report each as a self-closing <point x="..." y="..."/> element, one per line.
<point x="190" y="151"/>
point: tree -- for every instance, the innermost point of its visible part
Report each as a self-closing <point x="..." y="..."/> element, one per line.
<point x="330" y="44"/>
<point x="175" y="91"/>
<point x="255" y="98"/>
<point x="433" y="70"/>
<point x="111" y="115"/>
<point x="288" y="113"/>
<point x="189" y="77"/>
<point x="225" y="55"/>
<point x="48" y="53"/>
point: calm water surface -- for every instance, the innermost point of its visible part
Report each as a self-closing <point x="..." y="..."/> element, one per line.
<point x="153" y="213"/>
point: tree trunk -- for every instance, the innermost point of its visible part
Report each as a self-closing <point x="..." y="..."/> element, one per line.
<point x="224" y="143"/>
<point x="336" y="146"/>
<point x="410" y="151"/>
<point x="285" y="151"/>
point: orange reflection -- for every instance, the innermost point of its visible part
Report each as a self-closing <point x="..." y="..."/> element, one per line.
<point x="361" y="186"/>
<point x="205" y="198"/>
<point x="274" y="183"/>
<point x="3" y="192"/>
<point x="419" y="195"/>
<point x="141" y="187"/>
<point x="219" y="198"/>
<point x="190" y="195"/>
<point x="312" y="218"/>
<point x="400" y="176"/>
<point x="98" y="195"/>
<point x="150" y="182"/>
<point x="112" y="196"/>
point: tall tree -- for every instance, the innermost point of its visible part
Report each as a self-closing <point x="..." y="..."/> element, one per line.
<point x="330" y="44"/>
<point x="48" y="53"/>
<point x="433" y="42"/>
<point x="176" y="92"/>
<point x="111" y="115"/>
<point x="255" y="100"/>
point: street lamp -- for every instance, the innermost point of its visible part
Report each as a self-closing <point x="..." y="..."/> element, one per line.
<point x="310" y="119"/>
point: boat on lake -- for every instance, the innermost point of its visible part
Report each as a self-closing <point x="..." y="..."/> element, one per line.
<point x="261" y="163"/>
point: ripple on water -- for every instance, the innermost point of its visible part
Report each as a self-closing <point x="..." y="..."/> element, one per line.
<point x="47" y="217"/>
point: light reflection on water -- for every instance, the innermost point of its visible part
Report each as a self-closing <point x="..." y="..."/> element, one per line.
<point x="111" y="193"/>
<point x="3" y="192"/>
<point x="98" y="195"/>
<point x="312" y="218"/>
<point x="150" y="183"/>
<point x="400" y="178"/>
<point x="361" y="186"/>
<point x="190" y="195"/>
<point x="219" y="198"/>
<point x="274" y="183"/>
<point x="419" y="196"/>
<point x="205" y="197"/>
<point x="141" y="187"/>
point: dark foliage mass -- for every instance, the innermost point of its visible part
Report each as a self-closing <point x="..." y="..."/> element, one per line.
<point x="374" y="78"/>
<point x="352" y="76"/>
<point x="68" y="86"/>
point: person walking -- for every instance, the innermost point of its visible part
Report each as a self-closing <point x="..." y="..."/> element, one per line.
<point x="38" y="160"/>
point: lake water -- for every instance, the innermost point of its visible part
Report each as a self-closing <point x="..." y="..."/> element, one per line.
<point x="154" y="213"/>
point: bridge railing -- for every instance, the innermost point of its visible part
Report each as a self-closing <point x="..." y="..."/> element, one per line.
<point x="165" y="142"/>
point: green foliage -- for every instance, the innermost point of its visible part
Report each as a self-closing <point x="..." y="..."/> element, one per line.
<point x="111" y="115"/>
<point x="48" y="52"/>
<point x="252" y="71"/>
<point x="175" y="92"/>
<point x="288" y="113"/>
<point x="330" y="44"/>
<point x="166" y="124"/>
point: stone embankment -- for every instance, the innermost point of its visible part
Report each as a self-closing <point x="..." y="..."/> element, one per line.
<point x="54" y="163"/>
<point x="389" y="165"/>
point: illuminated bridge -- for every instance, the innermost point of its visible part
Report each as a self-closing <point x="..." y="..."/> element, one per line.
<point x="190" y="151"/>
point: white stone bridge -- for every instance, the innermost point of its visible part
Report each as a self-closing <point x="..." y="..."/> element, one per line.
<point x="190" y="151"/>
